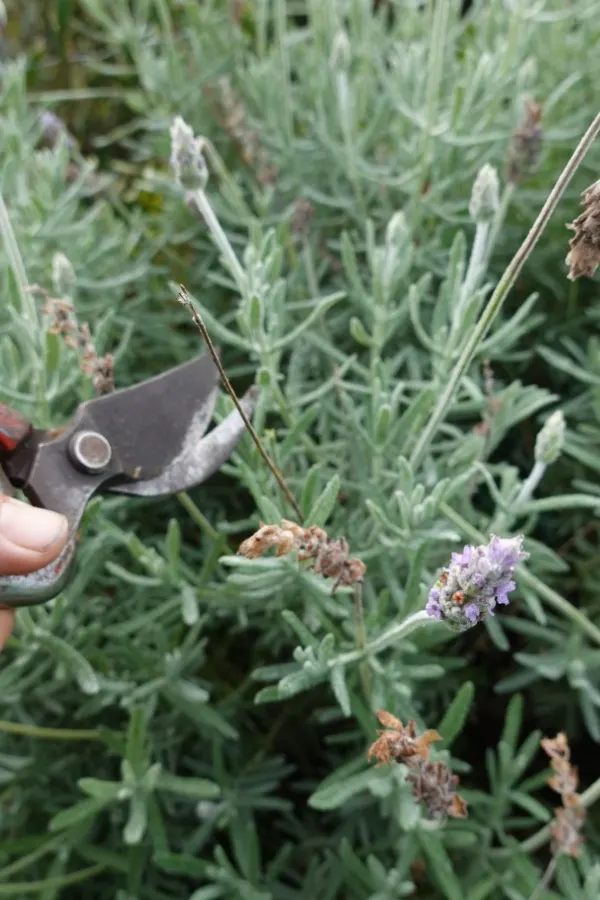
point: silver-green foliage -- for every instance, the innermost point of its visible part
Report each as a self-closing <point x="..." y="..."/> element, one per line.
<point x="208" y="719"/>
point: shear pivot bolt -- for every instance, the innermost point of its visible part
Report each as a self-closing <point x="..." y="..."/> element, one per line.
<point x="90" y="451"/>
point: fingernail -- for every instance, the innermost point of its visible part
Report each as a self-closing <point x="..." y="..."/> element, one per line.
<point x="29" y="527"/>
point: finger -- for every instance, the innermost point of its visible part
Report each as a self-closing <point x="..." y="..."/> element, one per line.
<point x="30" y="538"/>
<point x="7" y="618"/>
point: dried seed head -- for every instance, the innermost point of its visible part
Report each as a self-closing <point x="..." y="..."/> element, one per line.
<point x="400" y="742"/>
<point x="526" y="144"/>
<point x="584" y="256"/>
<point x="485" y="195"/>
<point x="434" y="785"/>
<point x="329" y="556"/>
<point x="550" y="439"/>
<point x="302" y="217"/>
<point x="568" y="822"/>
<point x="63" y="275"/>
<point x="187" y="159"/>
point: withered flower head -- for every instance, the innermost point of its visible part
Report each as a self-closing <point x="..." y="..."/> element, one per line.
<point x="569" y="819"/>
<point x="433" y="784"/>
<point x="584" y="255"/>
<point x="329" y="556"/>
<point x="524" y="150"/>
<point x="400" y="742"/>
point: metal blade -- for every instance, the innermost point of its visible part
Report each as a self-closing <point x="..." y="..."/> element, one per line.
<point x="148" y="425"/>
<point x="199" y="457"/>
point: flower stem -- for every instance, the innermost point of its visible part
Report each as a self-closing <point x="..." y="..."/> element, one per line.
<point x="204" y="207"/>
<point x="391" y="636"/>
<point x="546" y="879"/>
<point x="551" y="597"/>
<point x="499" y="295"/>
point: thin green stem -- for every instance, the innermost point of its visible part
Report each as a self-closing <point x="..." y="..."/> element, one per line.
<point x="499" y="295"/>
<point x="551" y="597"/>
<point x="198" y="517"/>
<point x="205" y="209"/>
<point x="546" y="879"/>
<point x="537" y="840"/>
<point x="36" y="887"/>
<point x="361" y="638"/>
<point x="53" y="734"/>
<point x="391" y="636"/>
<point x="435" y="68"/>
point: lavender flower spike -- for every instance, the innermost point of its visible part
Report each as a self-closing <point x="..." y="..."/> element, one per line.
<point x="476" y="580"/>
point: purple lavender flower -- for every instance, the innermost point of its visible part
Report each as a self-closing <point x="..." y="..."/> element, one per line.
<point x="476" y="580"/>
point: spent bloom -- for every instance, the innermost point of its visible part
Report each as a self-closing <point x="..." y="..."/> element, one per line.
<point x="584" y="256"/>
<point x="485" y="195"/>
<point x="187" y="159"/>
<point x="569" y="818"/>
<point x="432" y="783"/>
<point x="525" y="148"/>
<point x="329" y="557"/>
<point x="474" y="583"/>
<point x="550" y="439"/>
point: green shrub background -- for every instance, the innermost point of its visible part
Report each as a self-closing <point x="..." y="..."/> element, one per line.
<point x="175" y="724"/>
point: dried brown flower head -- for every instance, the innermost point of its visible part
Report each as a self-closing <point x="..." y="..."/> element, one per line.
<point x="526" y="144"/>
<point x="302" y="217"/>
<point x="569" y="819"/>
<point x="231" y="115"/>
<point x="329" y="556"/>
<point x="63" y="322"/>
<point x="400" y="742"/>
<point x="584" y="256"/>
<point x="433" y="784"/>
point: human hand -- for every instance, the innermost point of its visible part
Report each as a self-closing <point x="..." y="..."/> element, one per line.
<point x="30" y="538"/>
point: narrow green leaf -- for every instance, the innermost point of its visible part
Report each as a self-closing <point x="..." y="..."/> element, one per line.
<point x="340" y="688"/>
<point x="136" y="824"/>
<point x="135" y="751"/>
<point x="530" y="805"/>
<point x="454" y="721"/>
<point x="182" y="864"/>
<point x="199" y="788"/>
<point x="335" y="794"/>
<point x="75" y="815"/>
<point x="324" y="505"/>
<point x="440" y="865"/>
<point x="512" y="722"/>
<point x="72" y="660"/>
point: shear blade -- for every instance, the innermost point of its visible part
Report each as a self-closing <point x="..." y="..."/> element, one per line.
<point x="199" y="457"/>
<point x="149" y="424"/>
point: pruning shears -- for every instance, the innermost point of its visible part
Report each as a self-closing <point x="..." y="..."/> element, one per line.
<point x="147" y="440"/>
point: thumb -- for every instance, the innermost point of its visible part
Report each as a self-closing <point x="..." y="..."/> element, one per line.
<point x="30" y="538"/>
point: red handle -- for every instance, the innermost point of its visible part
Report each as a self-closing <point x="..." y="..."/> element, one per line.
<point x="13" y="428"/>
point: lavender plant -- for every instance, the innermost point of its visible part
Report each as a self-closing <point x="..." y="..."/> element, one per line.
<point x="340" y="187"/>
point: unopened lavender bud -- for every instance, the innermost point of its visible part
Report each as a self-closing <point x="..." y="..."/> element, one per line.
<point x="341" y="52"/>
<point x="551" y="438"/>
<point x="475" y="582"/>
<point x="485" y="195"/>
<point x="63" y="275"/>
<point x="187" y="159"/>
